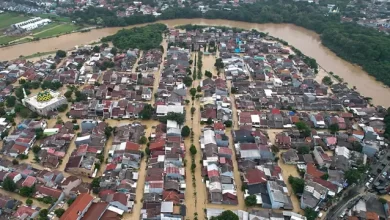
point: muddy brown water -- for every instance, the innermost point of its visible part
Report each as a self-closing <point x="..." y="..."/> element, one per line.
<point x="306" y="41"/>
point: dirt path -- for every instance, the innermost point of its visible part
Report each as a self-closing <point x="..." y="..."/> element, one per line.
<point x="290" y="170"/>
<point x="237" y="174"/>
<point x="136" y="62"/>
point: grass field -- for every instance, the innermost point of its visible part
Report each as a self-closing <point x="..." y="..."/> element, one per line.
<point x="60" y="29"/>
<point x="7" y="39"/>
<point x="6" y="19"/>
<point x="43" y="28"/>
<point x="55" y="17"/>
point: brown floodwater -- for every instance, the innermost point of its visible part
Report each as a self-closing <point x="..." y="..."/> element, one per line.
<point x="306" y="41"/>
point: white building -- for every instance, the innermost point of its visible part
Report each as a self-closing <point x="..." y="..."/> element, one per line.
<point x="163" y="110"/>
<point x="31" y="24"/>
<point x="44" y="102"/>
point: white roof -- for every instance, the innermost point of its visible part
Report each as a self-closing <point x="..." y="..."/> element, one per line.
<point x="164" y="109"/>
<point x="172" y="124"/>
<point x="255" y="118"/>
<point x="167" y="207"/>
<point x="209" y="137"/>
<point x="50" y="130"/>
<point x="250" y="153"/>
<point x="116" y="210"/>
<point x="268" y="92"/>
<point x="342" y="151"/>
<point x="212" y="167"/>
<point x="83" y="138"/>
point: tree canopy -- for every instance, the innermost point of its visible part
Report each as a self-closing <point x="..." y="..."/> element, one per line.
<point x="185" y="131"/>
<point x="226" y="215"/>
<point x="251" y="200"/>
<point x="61" y="53"/>
<point x="147" y="112"/>
<point x="297" y="184"/>
<point x="144" y="38"/>
<point x="9" y="185"/>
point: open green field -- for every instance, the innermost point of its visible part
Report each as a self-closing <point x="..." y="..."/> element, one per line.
<point x="7" y="39"/>
<point x="6" y="19"/>
<point x="43" y="28"/>
<point x="58" y="30"/>
<point x="54" y="17"/>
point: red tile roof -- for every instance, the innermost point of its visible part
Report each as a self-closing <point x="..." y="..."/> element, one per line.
<point x="326" y="184"/>
<point x="24" y="210"/>
<point x="225" y="150"/>
<point x="132" y="146"/>
<point x="55" y="193"/>
<point x="313" y="171"/>
<point x="120" y="197"/>
<point x="157" y="145"/>
<point x="79" y="205"/>
<point x="219" y="126"/>
<point x="29" y="181"/>
<point x="255" y="176"/>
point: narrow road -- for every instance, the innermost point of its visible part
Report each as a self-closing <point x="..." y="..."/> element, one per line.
<point x="237" y="174"/>
<point x="136" y="213"/>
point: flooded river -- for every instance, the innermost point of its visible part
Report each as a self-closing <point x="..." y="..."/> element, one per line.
<point x="306" y="41"/>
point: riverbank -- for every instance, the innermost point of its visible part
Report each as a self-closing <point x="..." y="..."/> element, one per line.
<point x="308" y="42"/>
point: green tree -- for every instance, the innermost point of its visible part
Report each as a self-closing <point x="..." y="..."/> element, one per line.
<point x="76" y="127"/>
<point x="333" y="128"/>
<point x="143" y="140"/>
<point x="114" y="51"/>
<point x="96" y="49"/>
<point x="327" y="80"/>
<point x="325" y="176"/>
<point x="68" y="94"/>
<point x="36" y="149"/>
<point x="10" y="101"/>
<point x="59" y="212"/>
<point x="9" y="185"/>
<point x="208" y="74"/>
<point x="187" y="81"/>
<point x="147" y="112"/>
<point x="226" y="215"/>
<point x="198" y="89"/>
<point x="228" y="123"/>
<point x="43" y="213"/>
<point x="61" y="53"/>
<point x="193" y="91"/>
<point x="352" y="176"/>
<point x="218" y="63"/>
<point x="178" y="117"/>
<point x="209" y="121"/>
<point x="193" y="149"/>
<point x="303" y="150"/>
<point x="185" y="131"/>
<point x="301" y="125"/>
<point x="297" y="184"/>
<point x="108" y="131"/>
<point x="29" y="202"/>
<point x="70" y="201"/>
<point x="35" y="84"/>
<point x="26" y="191"/>
<point x="251" y="200"/>
<point x="310" y="214"/>
<point x="95" y="182"/>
